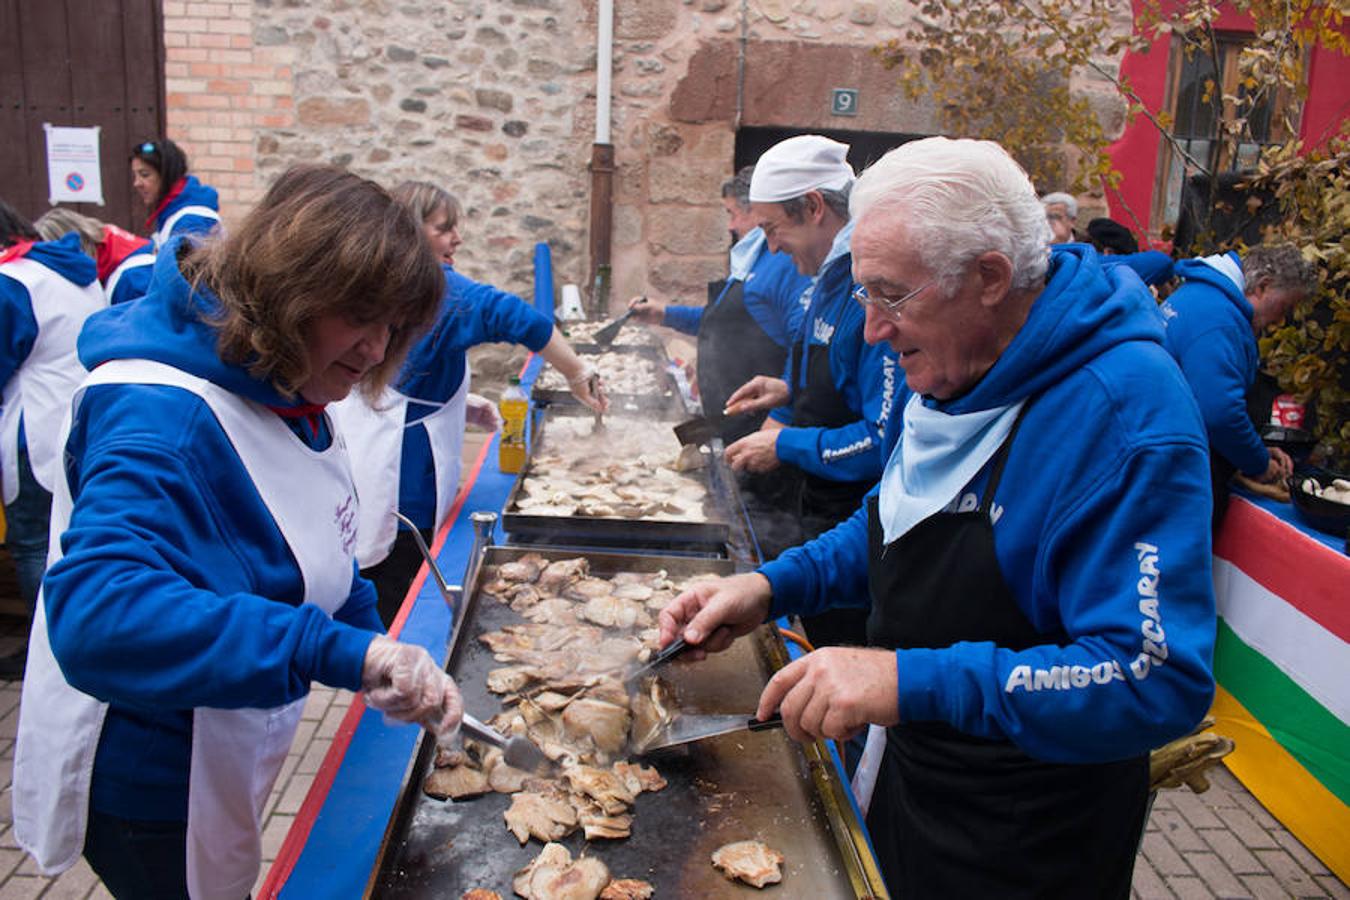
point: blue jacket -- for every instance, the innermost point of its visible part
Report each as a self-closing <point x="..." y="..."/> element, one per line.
<point x="773" y="292"/>
<point x="18" y="324"/>
<point x="1152" y="266"/>
<point x="194" y="193"/>
<point x="176" y="588"/>
<point x="135" y="280"/>
<point x="1209" y="332"/>
<point x="866" y="375"/>
<point x="471" y="314"/>
<point x="1101" y="527"/>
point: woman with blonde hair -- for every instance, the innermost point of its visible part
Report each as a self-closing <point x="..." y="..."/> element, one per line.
<point x="205" y="574"/>
<point x="406" y="446"/>
<point x="123" y="259"/>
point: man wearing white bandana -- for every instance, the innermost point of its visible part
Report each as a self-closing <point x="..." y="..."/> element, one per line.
<point x="822" y="440"/>
<point x="1035" y="561"/>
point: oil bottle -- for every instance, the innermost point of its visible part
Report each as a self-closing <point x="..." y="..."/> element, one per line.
<point x="515" y="410"/>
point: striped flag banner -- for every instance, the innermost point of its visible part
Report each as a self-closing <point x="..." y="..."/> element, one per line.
<point x="1282" y="661"/>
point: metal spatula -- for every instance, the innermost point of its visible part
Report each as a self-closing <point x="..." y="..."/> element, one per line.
<point x="605" y="336"/>
<point x="686" y="729"/>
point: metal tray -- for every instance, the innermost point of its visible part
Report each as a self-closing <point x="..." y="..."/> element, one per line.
<point x="749" y="786"/>
<point x="666" y="398"/>
<point x="709" y="536"/>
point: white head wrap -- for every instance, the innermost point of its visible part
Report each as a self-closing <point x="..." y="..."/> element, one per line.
<point x="799" y="164"/>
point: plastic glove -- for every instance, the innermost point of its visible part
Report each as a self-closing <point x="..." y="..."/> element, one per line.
<point x="481" y="412"/>
<point x="404" y="682"/>
<point x="586" y="388"/>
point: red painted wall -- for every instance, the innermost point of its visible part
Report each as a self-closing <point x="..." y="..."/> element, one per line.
<point x="1136" y="153"/>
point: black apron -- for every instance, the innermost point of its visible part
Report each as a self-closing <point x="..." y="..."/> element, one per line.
<point x="957" y="816"/>
<point x="821" y="503"/>
<point x="732" y="349"/>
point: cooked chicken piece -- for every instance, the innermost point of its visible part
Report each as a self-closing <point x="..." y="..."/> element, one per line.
<point x="689" y="458"/>
<point x="603" y="786"/>
<point x="527" y="568"/>
<point x="606" y="724"/>
<point x="563" y="572"/>
<point x="749" y="861"/>
<point x="627" y="889"/>
<point x="502" y="778"/>
<point x="546" y="816"/>
<point x="610" y="690"/>
<point x="638" y="778"/>
<point x="610" y="656"/>
<point x="485" y="894"/>
<point x="551" y="701"/>
<point x="596" y="825"/>
<point x="455" y="782"/>
<point x="613" y="612"/>
<point x="587" y="588"/>
<point x="553" y="858"/>
<point x="552" y="875"/>
<point x="553" y="611"/>
<point x="659" y="600"/>
<point x="522" y="596"/>
<point x="638" y="592"/>
<point x="507" y="680"/>
<point x="449" y="756"/>
<point x="651" y="715"/>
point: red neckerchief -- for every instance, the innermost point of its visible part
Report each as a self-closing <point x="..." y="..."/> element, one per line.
<point x="116" y="246"/>
<point x="168" y="198"/>
<point x="16" y="251"/>
<point x="310" y="412"/>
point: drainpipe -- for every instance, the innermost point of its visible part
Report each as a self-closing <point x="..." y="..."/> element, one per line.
<point x="602" y="151"/>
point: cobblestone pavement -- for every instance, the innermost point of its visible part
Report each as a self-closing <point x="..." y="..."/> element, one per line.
<point x="1220" y="844"/>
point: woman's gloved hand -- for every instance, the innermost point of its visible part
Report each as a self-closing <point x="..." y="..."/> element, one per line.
<point x="404" y="682"/>
<point x="585" y="386"/>
<point x="481" y="412"/>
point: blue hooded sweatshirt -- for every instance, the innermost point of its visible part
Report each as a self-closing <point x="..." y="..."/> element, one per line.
<point x="773" y="292"/>
<point x="866" y="376"/>
<point x="1152" y="266"/>
<point x="471" y="314"/>
<point x="18" y="324"/>
<point x="1101" y="530"/>
<point x="177" y="589"/>
<point x="194" y="193"/>
<point x="1209" y="332"/>
<point x="133" y="282"/>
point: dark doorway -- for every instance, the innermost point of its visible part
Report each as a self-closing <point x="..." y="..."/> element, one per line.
<point x="864" y="147"/>
<point x="82" y="63"/>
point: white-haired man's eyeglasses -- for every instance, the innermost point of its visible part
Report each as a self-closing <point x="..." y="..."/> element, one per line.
<point x="889" y="305"/>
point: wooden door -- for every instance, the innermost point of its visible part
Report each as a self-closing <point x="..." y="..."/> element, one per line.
<point x="84" y="63"/>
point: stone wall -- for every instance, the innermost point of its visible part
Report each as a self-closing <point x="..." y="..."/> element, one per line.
<point x="495" y="100"/>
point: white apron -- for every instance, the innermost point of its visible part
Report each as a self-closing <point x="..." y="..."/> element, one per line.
<point x="135" y="261"/>
<point x="236" y="753"/>
<point x="39" y="390"/>
<point x="166" y="230"/>
<point x="374" y="436"/>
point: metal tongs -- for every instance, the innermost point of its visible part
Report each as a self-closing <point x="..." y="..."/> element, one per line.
<point x="517" y="752"/>
<point x="659" y="659"/>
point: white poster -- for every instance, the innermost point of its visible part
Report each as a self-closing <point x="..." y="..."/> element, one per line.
<point x="72" y="165"/>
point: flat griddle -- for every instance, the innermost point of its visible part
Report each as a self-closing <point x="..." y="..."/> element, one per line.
<point x="736" y="787"/>
<point x="709" y="537"/>
<point x="664" y="398"/>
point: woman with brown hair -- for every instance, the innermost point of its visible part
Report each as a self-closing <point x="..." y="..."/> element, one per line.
<point x="177" y="202"/>
<point x="205" y="574"/>
<point x="406" y="446"/>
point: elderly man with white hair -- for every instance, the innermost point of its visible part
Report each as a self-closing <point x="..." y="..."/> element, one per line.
<point x="824" y="434"/>
<point x="1061" y="211"/>
<point x="1035" y="560"/>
